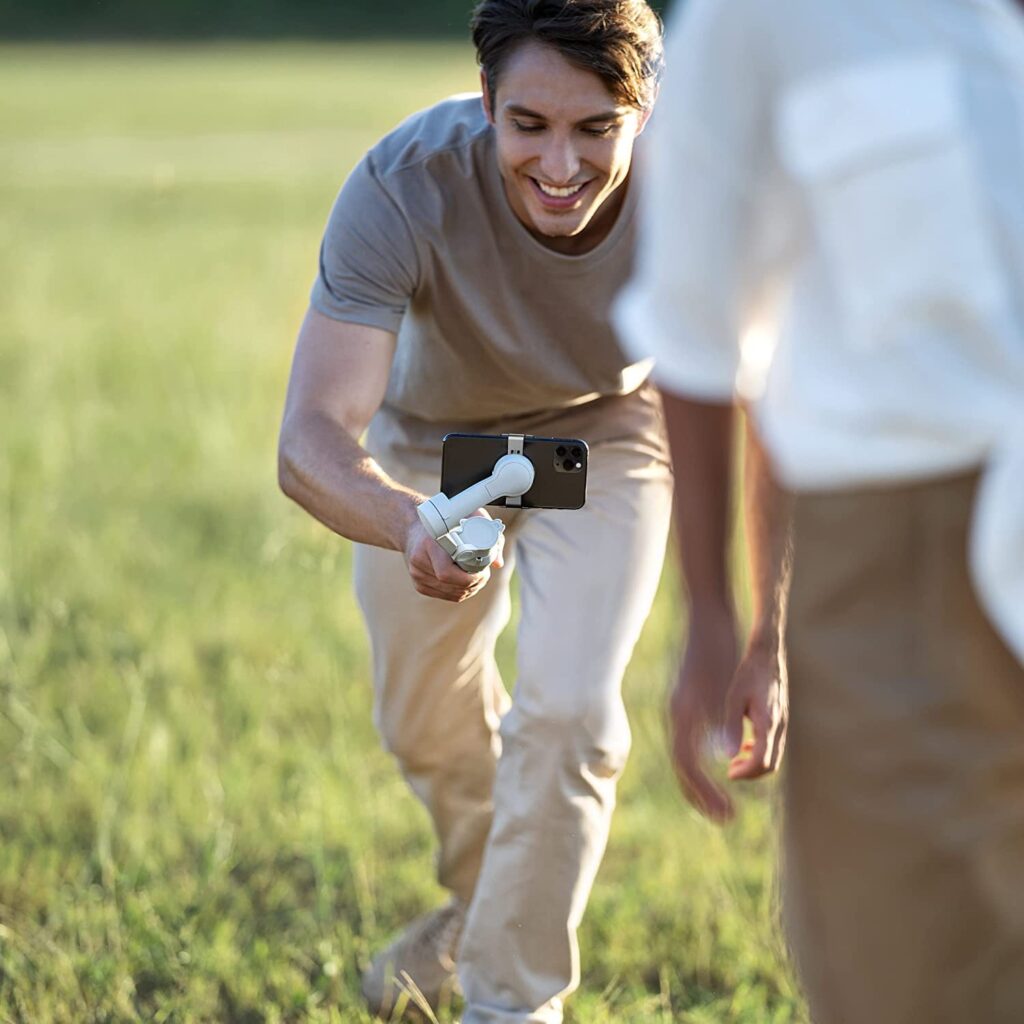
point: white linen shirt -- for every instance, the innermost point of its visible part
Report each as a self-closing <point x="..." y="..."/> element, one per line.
<point x="842" y="183"/>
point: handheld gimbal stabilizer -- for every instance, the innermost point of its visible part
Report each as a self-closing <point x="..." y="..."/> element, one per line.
<point x="473" y="541"/>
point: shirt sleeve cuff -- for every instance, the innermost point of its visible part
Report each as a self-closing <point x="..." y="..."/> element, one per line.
<point x="684" y="363"/>
<point x="353" y="313"/>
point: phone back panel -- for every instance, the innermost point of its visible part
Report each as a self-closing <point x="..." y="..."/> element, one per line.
<point x="560" y="467"/>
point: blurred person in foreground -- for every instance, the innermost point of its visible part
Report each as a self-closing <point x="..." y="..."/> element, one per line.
<point x="849" y="177"/>
<point x="465" y="280"/>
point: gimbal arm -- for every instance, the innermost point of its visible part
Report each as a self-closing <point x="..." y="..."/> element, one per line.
<point x="472" y="541"/>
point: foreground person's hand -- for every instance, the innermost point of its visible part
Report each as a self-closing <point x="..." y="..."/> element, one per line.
<point x="697" y="711"/>
<point x="434" y="574"/>
<point x="759" y="695"/>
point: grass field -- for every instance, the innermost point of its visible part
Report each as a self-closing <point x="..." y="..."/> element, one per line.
<point x="196" y="823"/>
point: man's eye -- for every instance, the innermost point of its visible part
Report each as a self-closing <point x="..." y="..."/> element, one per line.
<point x="521" y="126"/>
<point x="600" y="130"/>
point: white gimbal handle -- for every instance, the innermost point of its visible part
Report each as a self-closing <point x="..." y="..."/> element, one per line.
<point x="472" y="541"/>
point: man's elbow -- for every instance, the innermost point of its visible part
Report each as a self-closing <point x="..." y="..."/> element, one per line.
<point x="288" y="476"/>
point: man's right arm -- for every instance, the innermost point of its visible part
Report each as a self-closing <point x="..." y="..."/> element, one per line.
<point x="701" y="437"/>
<point x="338" y="380"/>
<point x="712" y="691"/>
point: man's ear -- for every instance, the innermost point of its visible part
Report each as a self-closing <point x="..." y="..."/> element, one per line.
<point x="486" y="97"/>
<point x="645" y="114"/>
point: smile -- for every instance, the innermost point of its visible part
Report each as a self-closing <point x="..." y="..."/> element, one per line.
<point x="559" y="198"/>
<point x="559" y="193"/>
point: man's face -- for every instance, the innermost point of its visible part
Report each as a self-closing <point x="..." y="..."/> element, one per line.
<point x="564" y="146"/>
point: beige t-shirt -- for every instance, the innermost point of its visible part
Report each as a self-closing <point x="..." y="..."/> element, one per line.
<point x="495" y="332"/>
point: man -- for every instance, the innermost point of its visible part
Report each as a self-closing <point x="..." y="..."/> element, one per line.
<point x="465" y="278"/>
<point x="848" y="177"/>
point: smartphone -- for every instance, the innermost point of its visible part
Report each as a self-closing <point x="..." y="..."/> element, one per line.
<point x="559" y="463"/>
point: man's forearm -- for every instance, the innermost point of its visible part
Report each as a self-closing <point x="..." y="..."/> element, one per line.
<point x="701" y="436"/>
<point x="767" y="517"/>
<point x="326" y="471"/>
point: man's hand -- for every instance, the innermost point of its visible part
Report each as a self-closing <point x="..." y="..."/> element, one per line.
<point x="759" y="694"/>
<point x="711" y="700"/>
<point x="697" y="710"/>
<point x="433" y="572"/>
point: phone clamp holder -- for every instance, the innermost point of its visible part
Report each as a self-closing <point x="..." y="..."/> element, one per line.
<point x="474" y="541"/>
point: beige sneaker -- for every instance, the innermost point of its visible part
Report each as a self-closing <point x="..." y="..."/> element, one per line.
<point x="418" y="967"/>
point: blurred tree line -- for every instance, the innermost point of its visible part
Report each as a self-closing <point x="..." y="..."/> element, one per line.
<point x="338" y="19"/>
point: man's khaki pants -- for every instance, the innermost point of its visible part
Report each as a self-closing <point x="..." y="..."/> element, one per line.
<point x="521" y="793"/>
<point x="904" y="782"/>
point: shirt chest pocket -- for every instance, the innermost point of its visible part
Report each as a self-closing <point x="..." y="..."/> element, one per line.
<point x="883" y="156"/>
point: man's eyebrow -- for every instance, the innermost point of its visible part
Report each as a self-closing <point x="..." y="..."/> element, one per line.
<point x="608" y="115"/>
<point x="514" y="108"/>
<point x="603" y="118"/>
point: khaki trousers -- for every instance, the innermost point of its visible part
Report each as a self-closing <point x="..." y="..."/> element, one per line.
<point x="904" y="782"/>
<point x="521" y="793"/>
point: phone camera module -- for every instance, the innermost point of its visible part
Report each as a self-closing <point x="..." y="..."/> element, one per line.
<point x="568" y="458"/>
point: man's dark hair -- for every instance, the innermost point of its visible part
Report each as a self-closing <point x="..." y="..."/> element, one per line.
<point x="618" y="40"/>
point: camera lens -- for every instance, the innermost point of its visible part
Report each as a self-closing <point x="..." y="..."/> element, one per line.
<point x="577" y="453"/>
<point x="560" y="451"/>
<point x="569" y="465"/>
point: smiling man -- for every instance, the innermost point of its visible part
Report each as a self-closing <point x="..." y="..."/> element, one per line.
<point x="465" y="279"/>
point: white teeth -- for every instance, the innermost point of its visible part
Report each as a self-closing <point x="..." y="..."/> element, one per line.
<point x="558" y="193"/>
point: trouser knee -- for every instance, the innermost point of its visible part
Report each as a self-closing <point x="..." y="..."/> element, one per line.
<point x="591" y="739"/>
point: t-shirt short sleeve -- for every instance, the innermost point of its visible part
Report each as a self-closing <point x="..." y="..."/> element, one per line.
<point x="368" y="262"/>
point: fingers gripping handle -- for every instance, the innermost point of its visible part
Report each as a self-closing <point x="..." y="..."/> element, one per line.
<point x="473" y="541"/>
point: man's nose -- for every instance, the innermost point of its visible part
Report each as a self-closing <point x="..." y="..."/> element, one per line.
<point x="559" y="161"/>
